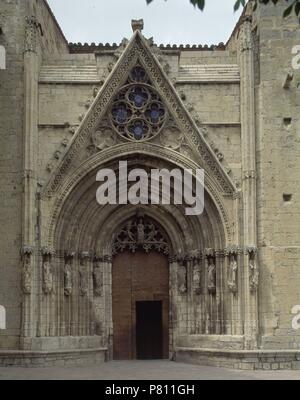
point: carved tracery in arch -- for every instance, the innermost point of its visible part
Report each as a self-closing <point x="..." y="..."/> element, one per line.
<point x="141" y="233"/>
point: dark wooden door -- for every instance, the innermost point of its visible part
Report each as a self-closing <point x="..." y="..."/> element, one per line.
<point x="140" y="278"/>
<point x="149" y="330"/>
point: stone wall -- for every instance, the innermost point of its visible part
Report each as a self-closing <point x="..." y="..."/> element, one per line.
<point x="11" y="128"/>
<point x="52" y="40"/>
<point x="278" y="160"/>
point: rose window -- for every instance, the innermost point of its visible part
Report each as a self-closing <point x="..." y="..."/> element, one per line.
<point x="138" y="113"/>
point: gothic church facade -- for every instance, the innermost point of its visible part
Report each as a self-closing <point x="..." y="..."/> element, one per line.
<point x="82" y="282"/>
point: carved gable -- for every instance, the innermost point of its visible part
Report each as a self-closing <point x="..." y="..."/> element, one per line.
<point x="138" y="103"/>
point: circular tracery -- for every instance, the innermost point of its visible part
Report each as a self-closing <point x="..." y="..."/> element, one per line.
<point x="138" y="113"/>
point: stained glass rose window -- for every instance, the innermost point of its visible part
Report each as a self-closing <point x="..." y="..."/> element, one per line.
<point x="138" y="113"/>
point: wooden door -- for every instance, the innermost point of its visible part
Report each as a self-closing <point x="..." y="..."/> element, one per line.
<point x="140" y="280"/>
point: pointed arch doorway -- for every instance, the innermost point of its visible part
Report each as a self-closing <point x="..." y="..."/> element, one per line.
<point x="140" y="293"/>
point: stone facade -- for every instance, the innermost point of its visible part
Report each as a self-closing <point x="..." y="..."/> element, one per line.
<point x="231" y="109"/>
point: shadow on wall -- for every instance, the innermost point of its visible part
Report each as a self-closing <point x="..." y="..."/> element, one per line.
<point x="2" y="57"/>
<point x="2" y="318"/>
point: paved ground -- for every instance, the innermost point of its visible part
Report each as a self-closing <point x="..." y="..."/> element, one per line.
<point x="142" y="370"/>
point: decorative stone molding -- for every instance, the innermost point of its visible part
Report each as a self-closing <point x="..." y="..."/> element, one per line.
<point x="47" y="251"/>
<point x="250" y="175"/>
<point x="250" y="250"/>
<point x="246" y="40"/>
<point x="137" y="25"/>
<point x="102" y="138"/>
<point x="209" y="252"/>
<point x="233" y="250"/>
<point x="31" y="33"/>
<point x="172" y="138"/>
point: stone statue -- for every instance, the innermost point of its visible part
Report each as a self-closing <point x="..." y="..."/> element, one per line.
<point x="211" y="277"/>
<point x="152" y="232"/>
<point x="27" y="274"/>
<point x="98" y="279"/>
<point x="141" y="232"/>
<point x="128" y="231"/>
<point x="68" y="282"/>
<point x="83" y="281"/>
<point x="254" y="274"/>
<point x="47" y="277"/>
<point x="197" y="279"/>
<point x="182" y="279"/>
<point x="233" y="269"/>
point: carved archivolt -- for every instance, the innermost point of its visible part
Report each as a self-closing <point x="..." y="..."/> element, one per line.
<point x="140" y="233"/>
<point x="147" y="150"/>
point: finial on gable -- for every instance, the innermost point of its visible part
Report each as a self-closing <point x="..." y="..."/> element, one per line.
<point x="137" y="25"/>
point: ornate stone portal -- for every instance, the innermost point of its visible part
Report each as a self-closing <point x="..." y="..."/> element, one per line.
<point x="156" y="107"/>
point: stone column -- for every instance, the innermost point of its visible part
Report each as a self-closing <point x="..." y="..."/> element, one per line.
<point x="30" y="145"/>
<point x="211" y="282"/>
<point x="108" y="311"/>
<point x="27" y="285"/>
<point x="182" y="295"/>
<point x="189" y="262"/>
<point x="45" y="303"/>
<point x="219" y="257"/>
<point x="249" y="173"/>
<point x="233" y="287"/>
<point x="83" y="297"/>
<point x="173" y="305"/>
<point x="66" y="293"/>
<point x="196" y="291"/>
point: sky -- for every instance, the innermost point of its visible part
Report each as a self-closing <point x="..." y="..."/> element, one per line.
<point x="168" y="22"/>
